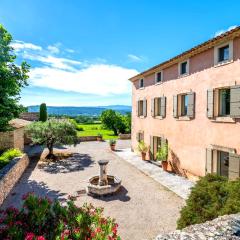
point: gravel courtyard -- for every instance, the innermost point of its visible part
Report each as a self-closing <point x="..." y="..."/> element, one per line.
<point x="143" y="208"/>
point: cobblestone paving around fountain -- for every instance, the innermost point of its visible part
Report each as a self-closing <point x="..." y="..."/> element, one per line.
<point x="143" y="208"/>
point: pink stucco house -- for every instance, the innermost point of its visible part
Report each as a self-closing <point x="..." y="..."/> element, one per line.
<point x="192" y="102"/>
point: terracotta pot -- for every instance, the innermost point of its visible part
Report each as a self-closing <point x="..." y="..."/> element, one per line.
<point x="143" y="156"/>
<point x="99" y="139"/>
<point x="164" y="165"/>
<point x="112" y="147"/>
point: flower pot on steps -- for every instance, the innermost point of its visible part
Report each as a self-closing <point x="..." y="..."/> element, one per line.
<point x="164" y="165"/>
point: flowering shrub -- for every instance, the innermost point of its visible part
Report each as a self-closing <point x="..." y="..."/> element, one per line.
<point x="41" y="219"/>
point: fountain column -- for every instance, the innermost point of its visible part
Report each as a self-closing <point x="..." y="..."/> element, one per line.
<point x="103" y="181"/>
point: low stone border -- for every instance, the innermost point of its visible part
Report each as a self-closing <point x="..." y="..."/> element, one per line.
<point x="124" y="136"/>
<point x="10" y="174"/>
<point x="87" y="138"/>
<point x="222" y="228"/>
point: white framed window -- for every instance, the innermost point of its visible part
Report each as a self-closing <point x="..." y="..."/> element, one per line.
<point x="223" y="53"/>
<point x="141" y="83"/>
<point x="158" y="77"/>
<point x="183" y="68"/>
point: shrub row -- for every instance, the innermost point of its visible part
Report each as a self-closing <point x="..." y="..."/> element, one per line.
<point x="211" y="197"/>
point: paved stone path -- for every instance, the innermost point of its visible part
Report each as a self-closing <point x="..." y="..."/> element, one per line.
<point x="179" y="185"/>
<point x="143" y="208"/>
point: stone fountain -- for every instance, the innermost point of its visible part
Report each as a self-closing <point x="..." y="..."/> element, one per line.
<point x="103" y="184"/>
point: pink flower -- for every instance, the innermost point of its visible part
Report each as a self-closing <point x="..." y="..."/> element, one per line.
<point x="40" y="238"/>
<point x="30" y="236"/>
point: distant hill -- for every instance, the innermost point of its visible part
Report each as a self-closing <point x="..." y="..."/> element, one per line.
<point x="74" y="111"/>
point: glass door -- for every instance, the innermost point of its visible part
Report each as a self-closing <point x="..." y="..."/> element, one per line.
<point x="223" y="160"/>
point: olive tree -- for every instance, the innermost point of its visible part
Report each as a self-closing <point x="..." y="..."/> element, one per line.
<point x="53" y="132"/>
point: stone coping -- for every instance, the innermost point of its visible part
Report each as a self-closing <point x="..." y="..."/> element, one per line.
<point x="10" y="174"/>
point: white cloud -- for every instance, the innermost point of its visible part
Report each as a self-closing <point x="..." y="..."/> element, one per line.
<point x="69" y="50"/>
<point x="20" y="45"/>
<point x="99" y="79"/>
<point x="134" y="58"/>
<point x="88" y="77"/>
<point x="53" y="49"/>
<point x="218" y="33"/>
<point x="56" y="62"/>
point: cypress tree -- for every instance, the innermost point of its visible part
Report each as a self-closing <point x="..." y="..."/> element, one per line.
<point x="43" y="113"/>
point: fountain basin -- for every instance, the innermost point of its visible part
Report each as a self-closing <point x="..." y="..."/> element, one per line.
<point x="113" y="185"/>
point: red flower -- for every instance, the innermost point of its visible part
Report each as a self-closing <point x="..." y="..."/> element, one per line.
<point x="30" y="236"/>
<point x="40" y="238"/>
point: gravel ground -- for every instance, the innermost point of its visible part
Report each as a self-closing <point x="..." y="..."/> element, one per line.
<point x="143" y="208"/>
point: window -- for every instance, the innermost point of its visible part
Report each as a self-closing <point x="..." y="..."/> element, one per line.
<point x="223" y="163"/>
<point x="157" y="106"/>
<point x="140" y="108"/>
<point x="224" y="102"/>
<point x="140" y="136"/>
<point x="158" y="77"/>
<point x="156" y="146"/>
<point x="184" y="104"/>
<point x="223" y="53"/>
<point x="141" y="83"/>
<point x="183" y="68"/>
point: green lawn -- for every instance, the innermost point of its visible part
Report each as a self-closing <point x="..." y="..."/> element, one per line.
<point x="94" y="130"/>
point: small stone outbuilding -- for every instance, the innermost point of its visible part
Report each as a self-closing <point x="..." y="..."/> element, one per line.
<point x="14" y="138"/>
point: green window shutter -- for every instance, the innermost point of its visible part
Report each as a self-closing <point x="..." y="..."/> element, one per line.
<point x="191" y="105"/>
<point x="234" y="166"/>
<point x="235" y="102"/>
<point x="209" y="167"/>
<point x="175" y="106"/>
<point x="145" y="107"/>
<point x="163" y="107"/>
<point x="152" y="107"/>
<point x="210" y="103"/>
<point x="151" y="147"/>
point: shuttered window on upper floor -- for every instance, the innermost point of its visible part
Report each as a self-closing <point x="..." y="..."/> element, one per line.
<point x="222" y="102"/>
<point x="184" y="105"/>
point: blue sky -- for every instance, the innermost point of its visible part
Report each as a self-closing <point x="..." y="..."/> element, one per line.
<point x="82" y="52"/>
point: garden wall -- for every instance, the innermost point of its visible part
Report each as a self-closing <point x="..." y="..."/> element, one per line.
<point x="12" y="139"/>
<point x="124" y="136"/>
<point x="87" y="138"/>
<point x="10" y="174"/>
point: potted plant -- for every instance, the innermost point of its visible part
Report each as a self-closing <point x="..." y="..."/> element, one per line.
<point x="99" y="137"/>
<point x="112" y="143"/>
<point x="143" y="149"/>
<point x="162" y="155"/>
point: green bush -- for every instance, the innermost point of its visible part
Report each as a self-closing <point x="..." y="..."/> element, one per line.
<point x="79" y="128"/>
<point x="9" y="155"/>
<point x="211" y="197"/>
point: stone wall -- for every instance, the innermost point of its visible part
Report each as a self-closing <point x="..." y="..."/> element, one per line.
<point x="10" y="174"/>
<point x="12" y="139"/>
<point x="124" y="136"/>
<point x="29" y="116"/>
<point x="222" y="228"/>
<point x="87" y="138"/>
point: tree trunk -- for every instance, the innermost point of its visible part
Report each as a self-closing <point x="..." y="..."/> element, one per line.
<point x="50" y="154"/>
<point x="115" y="131"/>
